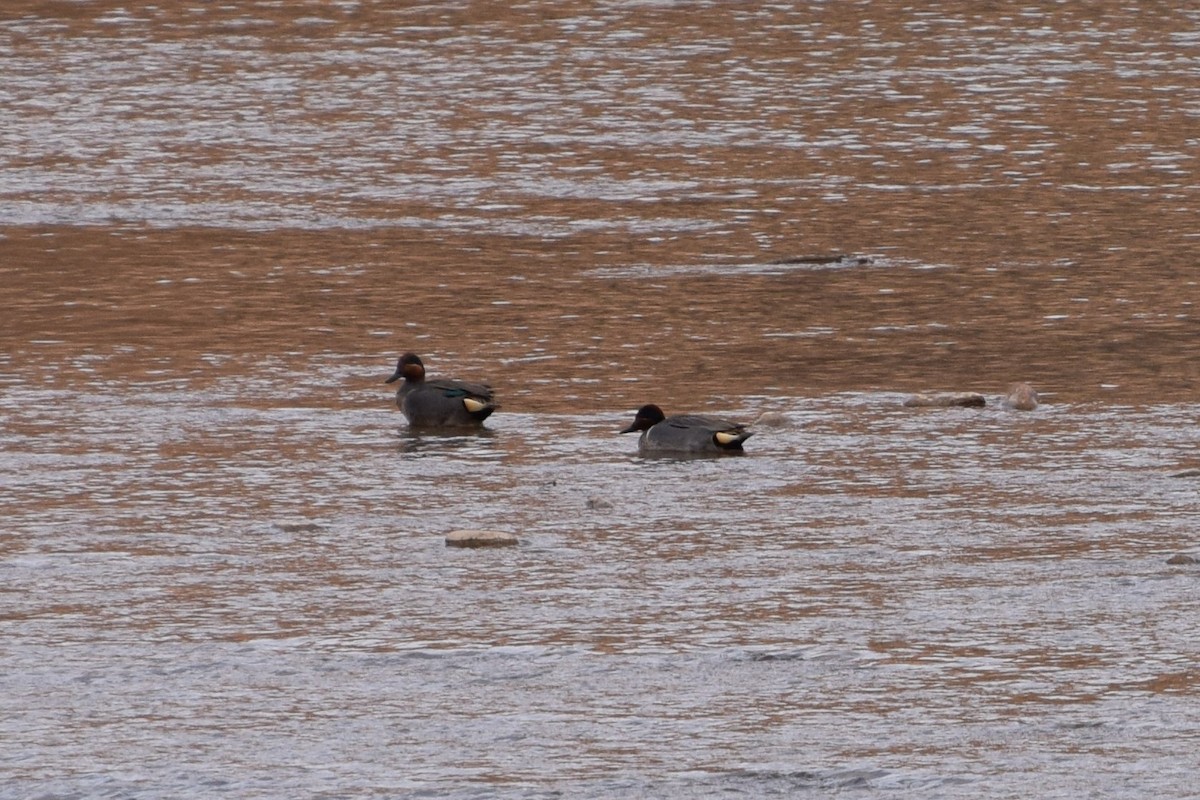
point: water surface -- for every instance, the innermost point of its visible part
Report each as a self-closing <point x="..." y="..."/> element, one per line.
<point x="222" y="553"/>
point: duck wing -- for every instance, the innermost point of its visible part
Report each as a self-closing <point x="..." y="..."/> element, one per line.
<point x="721" y="434"/>
<point x="714" y="424"/>
<point x="453" y="388"/>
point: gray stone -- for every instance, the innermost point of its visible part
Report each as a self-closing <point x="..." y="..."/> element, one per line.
<point x="298" y="527"/>
<point x="1020" y="397"/>
<point x="474" y="538"/>
<point x="946" y="400"/>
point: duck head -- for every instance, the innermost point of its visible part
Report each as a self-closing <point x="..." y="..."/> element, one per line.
<point x="646" y="418"/>
<point x="408" y="367"/>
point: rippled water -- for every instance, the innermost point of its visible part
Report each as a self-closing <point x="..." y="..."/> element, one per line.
<point x="222" y="558"/>
<point x="549" y="120"/>
<point x="209" y="592"/>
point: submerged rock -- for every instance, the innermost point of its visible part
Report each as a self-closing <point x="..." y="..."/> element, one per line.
<point x="298" y="527"/>
<point x="946" y="400"/>
<point x="772" y="419"/>
<point x="473" y="538"/>
<point x="599" y="504"/>
<point x="1180" y="559"/>
<point x="824" y="259"/>
<point x="1187" y="473"/>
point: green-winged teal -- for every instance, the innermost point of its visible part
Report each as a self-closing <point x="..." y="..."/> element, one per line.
<point x="440" y="402"/>
<point x="686" y="433"/>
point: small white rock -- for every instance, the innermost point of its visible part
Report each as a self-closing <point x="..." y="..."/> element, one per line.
<point x="473" y="538"/>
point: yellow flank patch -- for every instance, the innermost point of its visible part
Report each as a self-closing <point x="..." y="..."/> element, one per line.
<point x="473" y="405"/>
<point x="724" y="437"/>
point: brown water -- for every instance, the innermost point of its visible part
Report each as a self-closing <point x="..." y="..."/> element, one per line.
<point x="221" y="560"/>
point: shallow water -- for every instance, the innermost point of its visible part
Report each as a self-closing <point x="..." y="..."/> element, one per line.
<point x="222" y="559"/>
<point x="253" y="598"/>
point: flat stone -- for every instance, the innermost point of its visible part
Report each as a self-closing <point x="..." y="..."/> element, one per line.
<point x="946" y="400"/>
<point x="298" y="527"/>
<point x="472" y="538"/>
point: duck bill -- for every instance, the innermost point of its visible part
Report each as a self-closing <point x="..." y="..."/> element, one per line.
<point x="395" y="377"/>
<point x="631" y="429"/>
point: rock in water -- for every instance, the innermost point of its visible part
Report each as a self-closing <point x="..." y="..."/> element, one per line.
<point x="1187" y="473"/>
<point x="472" y="538"/>
<point x="1020" y="397"/>
<point x="772" y="419"/>
<point x="946" y="400"/>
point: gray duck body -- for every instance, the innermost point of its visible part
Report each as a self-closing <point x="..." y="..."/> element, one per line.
<point x="440" y="402"/>
<point x="689" y="434"/>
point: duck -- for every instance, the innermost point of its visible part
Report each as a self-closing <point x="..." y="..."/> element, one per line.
<point x="439" y="402"/>
<point x="686" y="433"/>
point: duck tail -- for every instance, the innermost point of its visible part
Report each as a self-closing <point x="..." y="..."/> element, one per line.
<point x="731" y="440"/>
